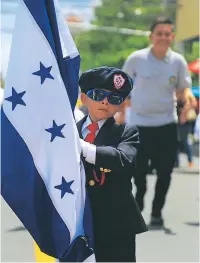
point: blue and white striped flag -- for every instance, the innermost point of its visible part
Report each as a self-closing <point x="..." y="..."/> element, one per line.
<point x="42" y="179"/>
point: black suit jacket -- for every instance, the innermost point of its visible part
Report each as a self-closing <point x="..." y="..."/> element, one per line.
<point x="115" y="212"/>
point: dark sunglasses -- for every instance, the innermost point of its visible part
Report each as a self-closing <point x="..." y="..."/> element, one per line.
<point x="99" y="95"/>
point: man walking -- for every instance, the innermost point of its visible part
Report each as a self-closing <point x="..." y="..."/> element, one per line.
<point x="158" y="73"/>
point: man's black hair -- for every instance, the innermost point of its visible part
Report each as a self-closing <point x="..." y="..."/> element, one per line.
<point x="160" y="20"/>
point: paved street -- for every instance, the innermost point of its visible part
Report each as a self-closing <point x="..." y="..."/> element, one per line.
<point x="177" y="242"/>
<point x="16" y="243"/>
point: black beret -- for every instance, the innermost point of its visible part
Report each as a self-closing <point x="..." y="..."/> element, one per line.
<point x="109" y="78"/>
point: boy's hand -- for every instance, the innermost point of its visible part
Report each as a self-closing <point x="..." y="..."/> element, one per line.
<point x="88" y="151"/>
<point x="84" y="146"/>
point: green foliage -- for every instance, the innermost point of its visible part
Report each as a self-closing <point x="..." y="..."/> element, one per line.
<point x="194" y="53"/>
<point x="98" y="48"/>
<point x="195" y="79"/>
<point x="135" y="14"/>
<point x="105" y="48"/>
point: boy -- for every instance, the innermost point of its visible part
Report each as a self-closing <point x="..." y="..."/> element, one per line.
<point x="109" y="152"/>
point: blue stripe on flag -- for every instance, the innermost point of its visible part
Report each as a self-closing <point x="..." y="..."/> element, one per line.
<point x="23" y="187"/>
<point x="69" y="68"/>
<point x="38" y="10"/>
<point x="29" y="190"/>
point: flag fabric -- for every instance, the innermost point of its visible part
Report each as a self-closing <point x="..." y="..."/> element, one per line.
<point x="43" y="179"/>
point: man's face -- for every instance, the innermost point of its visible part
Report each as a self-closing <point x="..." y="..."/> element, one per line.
<point x="99" y="110"/>
<point x="162" y="37"/>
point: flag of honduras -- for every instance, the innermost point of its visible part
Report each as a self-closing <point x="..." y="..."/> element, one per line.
<point x="43" y="180"/>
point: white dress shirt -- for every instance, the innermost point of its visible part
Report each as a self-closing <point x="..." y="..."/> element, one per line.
<point x="88" y="149"/>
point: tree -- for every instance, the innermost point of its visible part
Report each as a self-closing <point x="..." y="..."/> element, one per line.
<point x="99" y="48"/>
<point x="135" y="14"/>
<point x="103" y="48"/>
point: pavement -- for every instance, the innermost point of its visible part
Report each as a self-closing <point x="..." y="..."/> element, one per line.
<point x="178" y="241"/>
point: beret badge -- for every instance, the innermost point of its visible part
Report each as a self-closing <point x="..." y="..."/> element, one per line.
<point x="118" y="81"/>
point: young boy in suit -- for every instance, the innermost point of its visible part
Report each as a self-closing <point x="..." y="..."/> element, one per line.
<point x="109" y="152"/>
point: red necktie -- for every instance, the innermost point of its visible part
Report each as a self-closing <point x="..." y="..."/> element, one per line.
<point x="93" y="128"/>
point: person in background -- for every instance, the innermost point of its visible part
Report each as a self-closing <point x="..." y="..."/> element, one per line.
<point x="158" y="74"/>
<point x="185" y="132"/>
<point x="123" y="117"/>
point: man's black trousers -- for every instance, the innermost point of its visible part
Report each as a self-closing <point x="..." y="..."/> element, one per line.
<point x="158" y="144"/>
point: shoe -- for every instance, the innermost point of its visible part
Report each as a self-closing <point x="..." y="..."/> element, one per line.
<point x="190" y="165"/>
<point x="156" y="221"/>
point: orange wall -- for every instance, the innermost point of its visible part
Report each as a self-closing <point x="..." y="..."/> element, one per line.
<point x="187" y="20"/>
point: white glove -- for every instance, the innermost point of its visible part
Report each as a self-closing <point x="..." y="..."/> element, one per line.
<point x="89" y="151"/>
